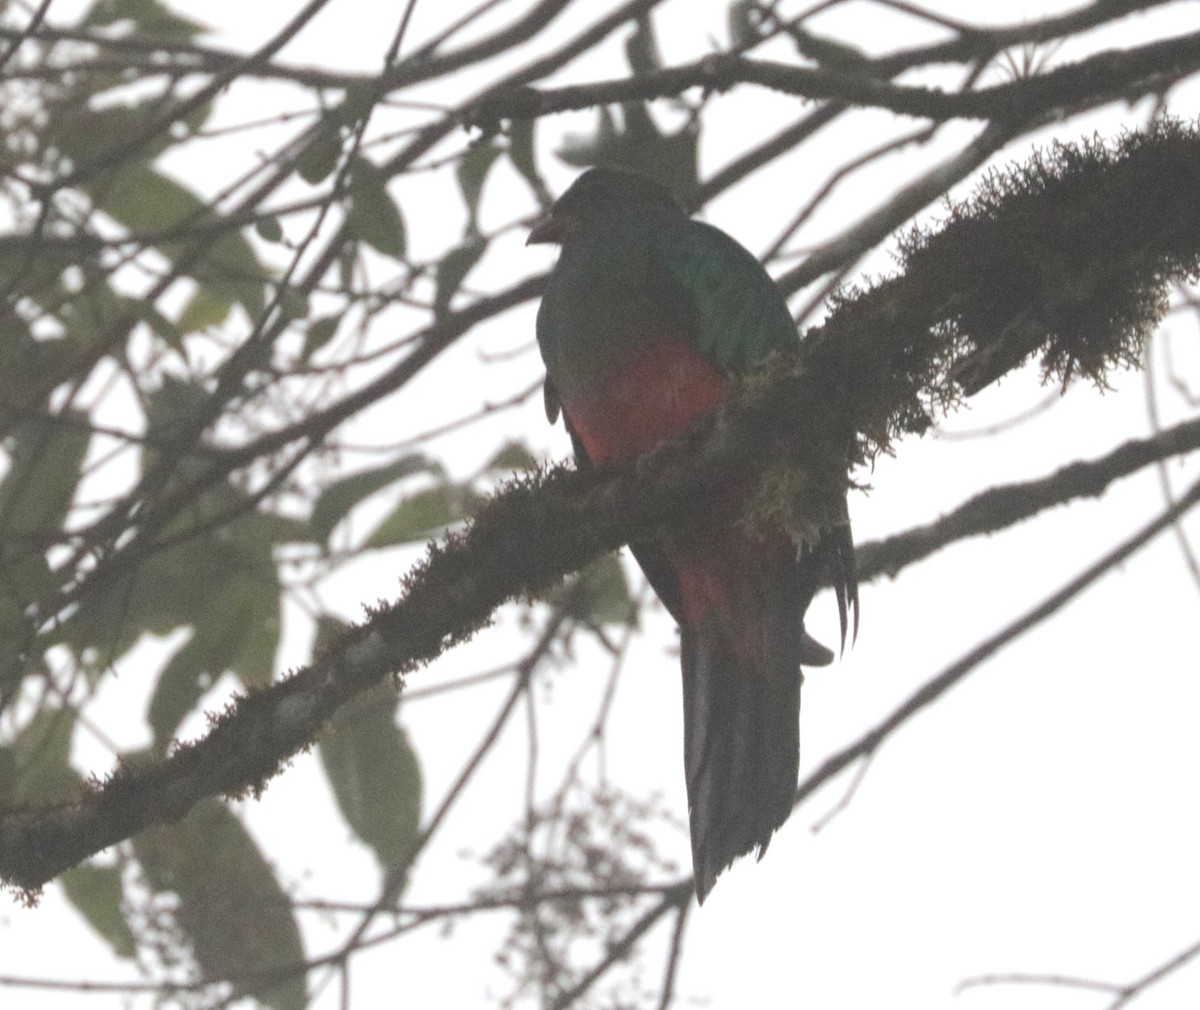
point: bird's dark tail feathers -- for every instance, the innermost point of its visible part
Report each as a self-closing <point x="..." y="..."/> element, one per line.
<point x="741" y="748"/>
<point x="742" y="706"/>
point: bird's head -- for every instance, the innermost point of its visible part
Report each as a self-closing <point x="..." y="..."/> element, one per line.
<point x="600" y="195"/>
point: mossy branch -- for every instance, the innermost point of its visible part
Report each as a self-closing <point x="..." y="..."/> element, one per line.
<point x="1069" y="254"/>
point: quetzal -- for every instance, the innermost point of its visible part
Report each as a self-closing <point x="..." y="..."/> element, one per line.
<point x="646" y="318"/>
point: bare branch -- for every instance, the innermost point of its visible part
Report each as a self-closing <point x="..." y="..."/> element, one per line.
<point x="1091" y="81"/>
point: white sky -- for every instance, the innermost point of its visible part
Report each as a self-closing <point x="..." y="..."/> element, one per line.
<point x="1041" y="818"/>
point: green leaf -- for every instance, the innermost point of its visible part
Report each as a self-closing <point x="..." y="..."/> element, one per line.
<point x="186" y="677"/>
<point x="230" y="270"/>
<point x="641" y="48"/>
<point x="26" y="578"/>
<point x="174" y="403"/>
<point x="602" y="596"/>
<point x="162" y="327"/>
<point x="269" y="229"/>
<point x="330" y="629"/>
<point x="256" y="626"/>
<point x="320" y="332"/>
<point x="204" y="309"/>
<point x="83" y="133"/>
<point x="236" y="917"/>
<point x="472" y="171"/>
<point x="452" y="270"/>
<point x="145" y="201"/>
<point x="373" y="216"/>
<point x="230" y="573"/>
<point x="237" y="630"/>
<point x="27" y="364"/>
<point x="96" y="893"/>
<point x="513" y="455"/>
<point x="639" y="144"/>
<point x="335" y="502"/>
<point x="375" y="776"/>
<point x="424" y="514"/>
<point x="602" y="145"/>
<point x="293" y="302"/>
<point x="320" y="158"/>
<point x="45" y="458"/>
<point x="827" y="52"/>
<point x="36" y="766"/>
<point x="521" y="154"/>
<point x="151" y="18"/>
<point x="744" y="20"/>
<point x="358" y="101"/>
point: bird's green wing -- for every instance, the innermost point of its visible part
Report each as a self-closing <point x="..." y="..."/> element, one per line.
<point x="740" y="316"/>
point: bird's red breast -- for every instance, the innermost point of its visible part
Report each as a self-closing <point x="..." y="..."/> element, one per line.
<point x="656" y="392"/>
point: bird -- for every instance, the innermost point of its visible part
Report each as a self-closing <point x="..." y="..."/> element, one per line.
<point x="646" y="320"/>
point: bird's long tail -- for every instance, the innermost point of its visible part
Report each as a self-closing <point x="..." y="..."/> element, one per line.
<point x="741" y="690"/>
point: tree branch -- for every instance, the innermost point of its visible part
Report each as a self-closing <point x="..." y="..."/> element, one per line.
<point x="869" y="370"/>
<point x="1001" y="507"/>
<point x="1113" y="74"/>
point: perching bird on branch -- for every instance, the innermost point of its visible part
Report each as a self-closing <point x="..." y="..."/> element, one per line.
<point x="647" y="317"/>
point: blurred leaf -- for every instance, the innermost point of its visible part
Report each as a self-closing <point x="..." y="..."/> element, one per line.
<point x="375" y="776"/>
<point x="204" y="309"/>
<point x="374" y="216"/>
<point x="27" y="364"/>
<point x="602" y="145"/>
<point x="83" y="132"/>
<point x="335" y="502"/>
<point x="639" y="145"/>
<point x="293" y="302"/>
<point x="171" y="406"/>
<point x="152" y="19"/>
<point x="329" y="630"/>
<point x="424" y="514"/>
<point x="828" y="52"/>
<point x="269" y="229"/>
<point x="96" y="893"/>
<point x="320" y="332"/>
<point x="36" y="766"/>
<point x="45" y="457"/>
<point x="236" y="630"/>
<point x="256" y="624"/>
<point x="182" y="683"/>
<point x="511" y="456"/>
<point x="145" y="201"/>
<point x="162" y="327"/>
<point x="26" y="579"/>
<point x="472" y="171"/>
<point x="602" y="596"/>
<point x="745" y="24"/>
<point x="641" y="48"/>
<point x="452" y="270"/>
<point x="175" y="586"/>
<point x="320" y="158"/>
<point x="358" y="101"/>
<point x="235" y="916"/>
<point x="231" y="270"/>
<point x="521" y="154"/>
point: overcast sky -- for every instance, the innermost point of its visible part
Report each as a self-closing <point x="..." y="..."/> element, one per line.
<point x="1042" y="818"/>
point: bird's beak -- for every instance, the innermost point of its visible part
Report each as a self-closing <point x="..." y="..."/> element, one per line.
<point x="552" y="228"/>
